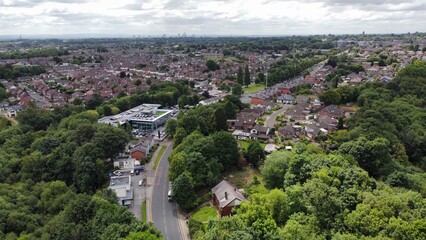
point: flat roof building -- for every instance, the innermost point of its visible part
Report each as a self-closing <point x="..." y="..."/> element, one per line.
<point x="145" y="117"/>
<point x="122" y="186"/>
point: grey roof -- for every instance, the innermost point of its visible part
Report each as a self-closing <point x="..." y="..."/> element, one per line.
<point x="232" y="192"/>
<point x="286" y="97"/>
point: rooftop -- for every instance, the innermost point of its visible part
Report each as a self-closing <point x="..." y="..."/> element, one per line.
<point x="144" y="112"/>
<point x="120" y="181"/>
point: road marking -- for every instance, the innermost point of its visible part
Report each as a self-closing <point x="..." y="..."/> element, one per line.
<point x="164" y="215"/>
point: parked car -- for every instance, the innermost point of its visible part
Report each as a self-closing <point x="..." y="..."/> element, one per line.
<point x="140" y="182"/>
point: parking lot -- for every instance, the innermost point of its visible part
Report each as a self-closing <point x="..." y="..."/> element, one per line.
<point x="139" y="194"/>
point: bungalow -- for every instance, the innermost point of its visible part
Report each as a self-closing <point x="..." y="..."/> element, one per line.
<point x="225" y="197"/>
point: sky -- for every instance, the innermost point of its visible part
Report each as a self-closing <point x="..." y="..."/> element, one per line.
<point x="210" y="17"/>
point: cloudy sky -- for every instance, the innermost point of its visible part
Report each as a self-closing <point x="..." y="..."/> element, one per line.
<point x="210" y="17"/>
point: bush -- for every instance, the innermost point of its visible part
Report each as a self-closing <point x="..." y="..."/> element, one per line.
<point x="195" y="227"/>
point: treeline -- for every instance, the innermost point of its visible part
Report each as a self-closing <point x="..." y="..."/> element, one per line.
<point x="368" y="182"/>
<point x="34" y="52"/>
<point x="13" y="72"/>
<point x="167" y="94"/>
<point x="318" y="196"/>
<point x="286" y="69"/>
<point x="53" y="174"/>
<point x="203" y="149"/>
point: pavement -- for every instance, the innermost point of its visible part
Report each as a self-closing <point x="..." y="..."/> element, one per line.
<point x="166" y="216"/>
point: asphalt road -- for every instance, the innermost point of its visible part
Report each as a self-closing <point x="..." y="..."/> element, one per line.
<point x="245" y="98"/>
<point x="164" y="213"/>
<point x="271" y="119"/>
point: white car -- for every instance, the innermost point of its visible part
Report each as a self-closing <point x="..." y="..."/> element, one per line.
<point x="140" y="182"/>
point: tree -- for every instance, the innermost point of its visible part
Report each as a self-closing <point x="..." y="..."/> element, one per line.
<point x="371" y="155"/>
<point x="183" y="191"/>
<point x="3" y="94"/>
<point x="332" y="61"/>
<point x="260" y="78"/>
<point x="220" y="119"/>
<point x="110" y="139"/>
<point x="237" y="89"/>
<point x="255" y="153"/>
<point x="35" y="118"/>
<point x="302" y="227"/>
<point x="212" y="65"/>
<point x="230" y="110"/>
<point x="331" y="96"/>
<point x="247" y="79"/>
<point x="180" y="134"/>
<point x="274" y="169"/>
<point x="94" y="102"/>
<point x="171" y="125"/>
<point x="149" y="82"/>
<point x="138" y="82"/>
<point x="77" y="101"/>
<point x="107" y="110"/>
<point x="240" y="76"/>
<point x="225" y="149"/>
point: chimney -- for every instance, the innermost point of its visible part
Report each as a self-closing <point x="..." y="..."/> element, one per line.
<point x="226" y="195"/>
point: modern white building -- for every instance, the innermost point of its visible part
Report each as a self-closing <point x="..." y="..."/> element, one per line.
<point x="145" y="117"/>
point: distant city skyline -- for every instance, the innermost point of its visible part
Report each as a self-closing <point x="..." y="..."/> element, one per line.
<point x="208" y="17"/>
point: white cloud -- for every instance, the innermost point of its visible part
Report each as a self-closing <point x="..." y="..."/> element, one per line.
<point x="230" y="17"/>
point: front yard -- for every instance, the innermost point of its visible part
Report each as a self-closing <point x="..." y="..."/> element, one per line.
<point x="204" y="214"/>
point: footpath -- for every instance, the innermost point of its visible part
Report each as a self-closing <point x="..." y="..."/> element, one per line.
<point x="150" y="178"/>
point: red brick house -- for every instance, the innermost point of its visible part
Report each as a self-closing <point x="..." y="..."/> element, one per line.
<point x="141" y="149"/>
<point x="225" y="197"/>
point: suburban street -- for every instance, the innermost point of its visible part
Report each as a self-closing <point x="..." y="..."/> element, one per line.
<point x="245" y="98"/>
<point x="164" y="213"/>
<point x="270" y="121"/>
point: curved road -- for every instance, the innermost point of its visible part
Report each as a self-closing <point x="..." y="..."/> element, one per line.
<point x="164" y="213"/>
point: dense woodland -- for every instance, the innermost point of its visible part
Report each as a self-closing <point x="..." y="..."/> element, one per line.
<point x="53" y="172"/>
<point x="54" y="169"/>
<point x="364" y="182"/>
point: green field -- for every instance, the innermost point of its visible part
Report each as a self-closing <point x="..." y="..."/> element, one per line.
<point x="143" y="210"/>
<point x="204" y="214"/>
<point x="157" y="159"/>
<point x="254" y="88"/>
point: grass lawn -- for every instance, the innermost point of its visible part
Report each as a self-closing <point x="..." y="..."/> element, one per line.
<point x="254" y="88"/>
<point x="242" y="178"/>
<point x="204" y="214"/>
<point x="143" y="210"/>
<point x="159" y="113"/>
<point x="245" y="144"/>
<point x="159" y="155"/>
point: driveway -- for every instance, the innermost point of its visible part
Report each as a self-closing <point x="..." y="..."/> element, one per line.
<point x="139" y="195"/>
